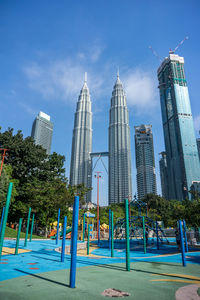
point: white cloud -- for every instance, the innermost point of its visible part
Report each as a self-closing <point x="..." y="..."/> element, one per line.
<point x="28" y="108"/>
<point x="197" y="123"/>
<point x="140" y="88"/>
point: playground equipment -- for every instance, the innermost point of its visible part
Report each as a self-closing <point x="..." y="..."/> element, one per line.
<point x="27" y="227"/>
<point x="136" y="228"/>
<point x="5" y="216"/>
<point x="86" y="220"/>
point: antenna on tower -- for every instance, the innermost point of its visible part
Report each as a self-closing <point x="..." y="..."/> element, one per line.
<point x="173" y="51"/>
<point x="85" y="77"/>
<point x="155" y="54"/>
<point x="118" y="71"/>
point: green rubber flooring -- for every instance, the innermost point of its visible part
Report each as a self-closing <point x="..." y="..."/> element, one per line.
<point x="91" y="281"/>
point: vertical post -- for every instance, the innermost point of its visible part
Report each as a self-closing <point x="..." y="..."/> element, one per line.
<point x="144" y="235"/>
<point x="74" y="242"/>
<point x="109" y="236"/>
<point x="88" y="241"/>
<point x="32" y="223"/>
<point x="98" y="176"/>
<point x="5" y="216"/>
<point x="18" y="236"/>
<point x="63" y="239"/>
<point x="112" y="235"/>
<point x="2" y="215"/>
<point x="185" y="236"/>
<point x="182" y="243"/>
<point x="99" y="234"/>
<point x="27" y="227"/>
<point x="57" y="231"/>
<point x="84" y="227"/>
<point x="127" y="236"/>
<point x="157" y="237"/>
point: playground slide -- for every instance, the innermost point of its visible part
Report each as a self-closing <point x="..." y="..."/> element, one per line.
<point x="69" y="230"/>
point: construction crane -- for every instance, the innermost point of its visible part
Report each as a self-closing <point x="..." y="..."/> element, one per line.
<point x="173" y="51"/>
<point x="170" y="51"/>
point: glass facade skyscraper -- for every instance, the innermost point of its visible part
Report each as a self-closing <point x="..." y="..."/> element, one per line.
<point x="180" y="142"/>
<point x="145" y="161"/>
<point x="120" y="183"/>
<point x="42" y="131"/>
<point x="80" y="168"/>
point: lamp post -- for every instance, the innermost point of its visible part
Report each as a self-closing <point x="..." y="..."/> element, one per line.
<point x="97" y="176"/>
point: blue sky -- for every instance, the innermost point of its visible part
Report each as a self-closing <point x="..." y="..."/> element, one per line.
<point x="46" y="46"/>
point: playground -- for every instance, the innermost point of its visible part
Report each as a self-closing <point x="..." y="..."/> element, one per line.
<point x="136" y="261"/>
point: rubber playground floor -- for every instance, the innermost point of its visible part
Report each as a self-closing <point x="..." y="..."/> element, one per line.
<point x="39" y="274"/>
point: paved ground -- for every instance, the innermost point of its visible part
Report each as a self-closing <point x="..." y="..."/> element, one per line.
<point x="39" y="274"/>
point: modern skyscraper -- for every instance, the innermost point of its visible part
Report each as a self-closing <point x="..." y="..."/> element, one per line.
<point x="145" y="162"/>
<point x="42" y="131"/>
<point x="198" y="146"/>
<point x="120" y="183"/>
<point x="80" y="169"/>
<point x="164" y="175"/>
<point x="180" y="142"/>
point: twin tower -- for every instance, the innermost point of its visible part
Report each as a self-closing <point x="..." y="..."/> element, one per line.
<point x="119" y="157"/>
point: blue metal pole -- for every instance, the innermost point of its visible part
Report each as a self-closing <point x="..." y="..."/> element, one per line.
<point x="109" y="237"/>
<point x="2" y="215"/>
<point x="185" y="236"/>
<point x="99" y="234"/>
<point x="27" y="227"/>
<point x="182" y="244"/>
<point x="57" y="232"/>
<point x="157" y="237"/>
<point x="74" y="242"/>
<point x="63" y="239"/>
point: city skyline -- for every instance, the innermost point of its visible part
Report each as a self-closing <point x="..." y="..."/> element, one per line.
<point x="46" y="48"/>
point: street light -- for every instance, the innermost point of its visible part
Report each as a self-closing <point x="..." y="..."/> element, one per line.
<point x="97" y="176"/>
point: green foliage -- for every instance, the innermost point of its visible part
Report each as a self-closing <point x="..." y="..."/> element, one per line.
<point x="39" y="180"/>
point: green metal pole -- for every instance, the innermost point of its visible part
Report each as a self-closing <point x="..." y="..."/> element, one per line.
<point x="18" y="236"/>
<point x="84" y="227"/>
<point x="127" y="236"/>
<point x="88" y="241"/>
<point x="5" y="216"/>
<point x="112" y="235"/>
<point x="32" y="223"/>
<point x="27" y="227"/>
<point x="144" y="236"/>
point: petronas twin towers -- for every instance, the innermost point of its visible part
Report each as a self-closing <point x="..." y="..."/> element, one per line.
<point x="120" y="182"/>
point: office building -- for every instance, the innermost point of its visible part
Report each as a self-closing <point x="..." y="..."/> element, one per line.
<point x="180" y="141"/>
<point x="42" y="131"/>
<point x="145" y="162"/>
<point x="120" y="183"/>
<point x="80" y="168"/>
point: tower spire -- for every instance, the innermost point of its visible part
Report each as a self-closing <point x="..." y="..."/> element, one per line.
<point x="118" y="72"/>
<point x="85" y="80"/>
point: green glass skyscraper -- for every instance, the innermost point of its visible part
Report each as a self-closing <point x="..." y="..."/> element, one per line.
<point x="42" y="131"/>
<point x="181" y="149"/>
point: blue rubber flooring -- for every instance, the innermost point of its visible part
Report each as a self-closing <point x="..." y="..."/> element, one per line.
<point x="44" y="258"/>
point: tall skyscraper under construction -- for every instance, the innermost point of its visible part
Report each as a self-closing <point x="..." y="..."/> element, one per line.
<point x="120" y="183"/>
<point x="181" y="149"/>
<point x="145" y="161"/>
<point x="80" y="169"/>
<point x="42" y="131"/>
